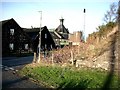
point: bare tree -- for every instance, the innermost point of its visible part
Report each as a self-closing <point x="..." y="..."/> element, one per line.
<point x="111" y="14"/>
<point x="119" y="12"/>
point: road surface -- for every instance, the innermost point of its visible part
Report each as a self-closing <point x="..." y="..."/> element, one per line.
<point x="16" y="61"/>
<point x="10" y="77"/>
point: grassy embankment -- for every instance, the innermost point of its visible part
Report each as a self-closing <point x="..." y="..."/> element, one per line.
<point x="68" y="77"/>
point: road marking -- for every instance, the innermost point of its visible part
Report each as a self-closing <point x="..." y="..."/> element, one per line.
<point x="11" y="68"/>
<point x="6" y="68"/>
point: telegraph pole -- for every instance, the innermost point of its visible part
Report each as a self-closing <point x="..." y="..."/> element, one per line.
<point x="40" y="36"/>
<point x="84" y="25"/>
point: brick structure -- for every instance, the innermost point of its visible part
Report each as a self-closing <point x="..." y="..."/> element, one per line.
<point x="75" y="38"/>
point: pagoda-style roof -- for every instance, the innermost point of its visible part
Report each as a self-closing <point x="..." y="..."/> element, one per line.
<point x="61" y="28"/>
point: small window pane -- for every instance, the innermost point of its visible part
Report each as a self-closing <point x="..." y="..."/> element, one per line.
<point x="26" y="46"/>
<point x="11" y="46"/>
<point x="11" y="31"/>
<point x="45" y="35"/>
<point x="45" y="46"/>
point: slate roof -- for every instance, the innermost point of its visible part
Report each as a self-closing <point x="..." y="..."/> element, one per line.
<point x="32" y="32"/>
<point x="61" y="28"/>
<point x="31" y="29"/>
<point x="4" y="22"/>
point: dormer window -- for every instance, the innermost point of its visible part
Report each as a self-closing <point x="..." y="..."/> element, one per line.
<point x="11" y="31"/>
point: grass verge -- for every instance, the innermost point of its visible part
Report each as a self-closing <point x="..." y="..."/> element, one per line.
<point x="69" y="77"/>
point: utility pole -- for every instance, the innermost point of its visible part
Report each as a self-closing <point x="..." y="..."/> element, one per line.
<point x="84" y="25"/>
<point x="40" y="36"/>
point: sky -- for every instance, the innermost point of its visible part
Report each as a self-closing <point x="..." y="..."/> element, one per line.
<point x="26" y="13"/>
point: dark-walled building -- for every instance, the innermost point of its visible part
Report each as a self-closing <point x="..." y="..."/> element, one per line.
<point x="14" y="39"/>
<point x="17" y="40"/>
<point x="61" y="35"/>
<point x="61" y="30"/>
<point x="56" y="37"/>
<point x="47" y="42"/>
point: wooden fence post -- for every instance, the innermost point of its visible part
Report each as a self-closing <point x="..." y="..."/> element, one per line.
<point x="52" y="58"/>
<point x="72" y="58"/>
<point x="79" y="48"/>
<point x="34" y="59"/>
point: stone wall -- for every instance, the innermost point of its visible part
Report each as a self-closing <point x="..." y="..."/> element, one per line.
<point x="103" y="54"/>
<point x="102" y="62"/>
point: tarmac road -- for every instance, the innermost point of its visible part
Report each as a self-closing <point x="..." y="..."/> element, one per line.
<point x="10" y="77"/>
<point x="16" y="61"/>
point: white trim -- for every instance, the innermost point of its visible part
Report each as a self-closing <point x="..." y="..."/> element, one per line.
<point x="57" y="34"/>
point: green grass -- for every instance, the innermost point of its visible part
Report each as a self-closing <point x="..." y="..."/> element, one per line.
<point x="69" y="77"/>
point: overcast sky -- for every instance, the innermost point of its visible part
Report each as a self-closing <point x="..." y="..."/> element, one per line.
<point x="26" y="13"/>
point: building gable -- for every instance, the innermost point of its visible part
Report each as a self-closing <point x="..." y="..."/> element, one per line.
<point x="46" y="40"/>
<point x="61" y="30"/>
<point x="13" y="37"/>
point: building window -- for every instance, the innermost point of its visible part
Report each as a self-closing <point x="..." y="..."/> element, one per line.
<point x="26" y="46"/>
<point x="11" y="46"/>
<point x="45" y="35"/>
<point x="51" y="46"/>
<point x="45" y="46"/>
<point x="11" y="31"/>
